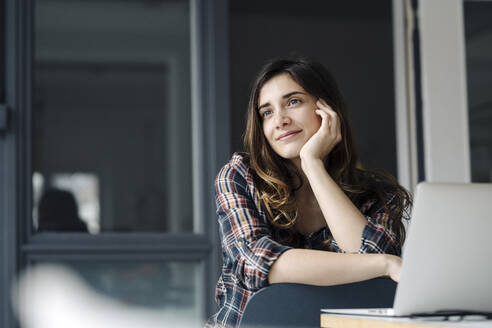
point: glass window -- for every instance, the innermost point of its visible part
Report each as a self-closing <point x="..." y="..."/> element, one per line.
<point x="111" y="136"/>
<point x="167" y="289"/>
<point x="478" y="33"/>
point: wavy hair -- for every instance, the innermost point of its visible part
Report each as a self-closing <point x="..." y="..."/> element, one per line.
<point x="277" y="179"/>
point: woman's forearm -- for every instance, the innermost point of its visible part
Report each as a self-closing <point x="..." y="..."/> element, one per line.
<point x="322" y="268"/>
<point x="344" y="219"/>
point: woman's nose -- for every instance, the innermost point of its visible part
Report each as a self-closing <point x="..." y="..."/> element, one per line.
<point x="281" y="119"/>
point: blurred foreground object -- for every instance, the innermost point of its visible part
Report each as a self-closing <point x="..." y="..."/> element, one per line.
<point x="52" y="296"/>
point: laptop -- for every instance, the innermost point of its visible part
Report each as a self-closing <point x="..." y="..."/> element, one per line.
<point x="447" y="258"/>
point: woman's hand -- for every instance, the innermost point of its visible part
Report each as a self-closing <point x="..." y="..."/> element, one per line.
<point x="326" y="138"/>
<point x="393" y="266"/>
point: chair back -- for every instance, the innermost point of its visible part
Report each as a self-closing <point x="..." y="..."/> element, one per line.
<point x="284" y="305"/>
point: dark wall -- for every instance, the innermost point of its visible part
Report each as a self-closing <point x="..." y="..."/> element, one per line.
<point x="352" y="38"/>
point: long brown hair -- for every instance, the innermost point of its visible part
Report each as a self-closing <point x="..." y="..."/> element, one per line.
<point x="277" y="179"/>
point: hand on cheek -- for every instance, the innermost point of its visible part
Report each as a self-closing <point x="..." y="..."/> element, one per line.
<point x="327" y="136"/>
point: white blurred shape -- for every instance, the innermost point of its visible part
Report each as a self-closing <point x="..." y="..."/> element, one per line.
<point x="52" y="296"/>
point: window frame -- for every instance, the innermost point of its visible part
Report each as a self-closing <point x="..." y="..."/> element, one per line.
<point x="444" y="91"/>
<point x="210" y="150"/>
<point x="405" y="104"/>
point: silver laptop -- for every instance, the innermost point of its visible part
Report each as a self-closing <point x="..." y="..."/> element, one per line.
<point x="447" y="258"/>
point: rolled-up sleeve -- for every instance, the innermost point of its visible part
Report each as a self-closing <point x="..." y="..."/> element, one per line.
<point x="379" y="235"/>
<point x="248" y="247"/>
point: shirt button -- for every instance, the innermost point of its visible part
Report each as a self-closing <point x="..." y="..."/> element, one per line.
<point x="240" y="243"/>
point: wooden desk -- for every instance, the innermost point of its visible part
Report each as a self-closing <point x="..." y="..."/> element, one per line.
<point x="342" y="321"/>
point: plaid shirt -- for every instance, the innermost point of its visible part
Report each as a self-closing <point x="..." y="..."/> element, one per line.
<point x="248" y="247"/>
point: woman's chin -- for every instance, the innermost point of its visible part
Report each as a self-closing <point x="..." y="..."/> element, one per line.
<point x="290" y="155"/>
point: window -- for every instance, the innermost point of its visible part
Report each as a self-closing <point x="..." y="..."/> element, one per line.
<point x="113" y="99"/>
<point x="111" y="113"/>
<point x="478" y="36"/>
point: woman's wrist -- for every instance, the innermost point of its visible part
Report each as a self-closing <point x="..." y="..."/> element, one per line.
<point x="380" y="264"/>
<point x="392" y="266"/>
<point x="385" y="265"/>
<point x="309" y="162"/>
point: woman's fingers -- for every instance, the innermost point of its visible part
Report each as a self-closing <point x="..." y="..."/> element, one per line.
<point x="324" y="119"/>
<point x="334" y="125"/>
<point x="328" y="135"/>
<point x="322" y="102"/>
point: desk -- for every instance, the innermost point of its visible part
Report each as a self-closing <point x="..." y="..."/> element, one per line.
<point x="351" y="321"/>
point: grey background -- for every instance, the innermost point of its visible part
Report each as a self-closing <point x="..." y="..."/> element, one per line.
<point x="353" y="39"/>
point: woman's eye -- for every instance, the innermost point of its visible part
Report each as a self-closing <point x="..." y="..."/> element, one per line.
<point x="266" y="113"/>
<point x="293" y="101"/>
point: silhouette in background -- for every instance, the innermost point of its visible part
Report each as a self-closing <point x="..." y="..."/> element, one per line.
<point x="58" y="211"/>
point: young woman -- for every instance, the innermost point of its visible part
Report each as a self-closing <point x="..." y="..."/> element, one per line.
<point x="296" y="207"/>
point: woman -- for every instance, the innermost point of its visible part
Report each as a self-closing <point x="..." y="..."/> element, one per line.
<point x="296" y="208"/>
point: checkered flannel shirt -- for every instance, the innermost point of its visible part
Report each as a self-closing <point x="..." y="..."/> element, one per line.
<point x="248" y="247"/>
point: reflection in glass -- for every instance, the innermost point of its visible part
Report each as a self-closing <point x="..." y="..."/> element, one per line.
<point x="58" y="211"/>
<point x="478" y="29"/>
<point x="111" y="113"/>
<point x="70" y="205"/>
<point x="85" y="189"/>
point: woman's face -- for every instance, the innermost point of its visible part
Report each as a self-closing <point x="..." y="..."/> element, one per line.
<point x="288" y="115"/>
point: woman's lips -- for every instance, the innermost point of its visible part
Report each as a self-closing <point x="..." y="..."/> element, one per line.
<point x="288" y="135"/>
